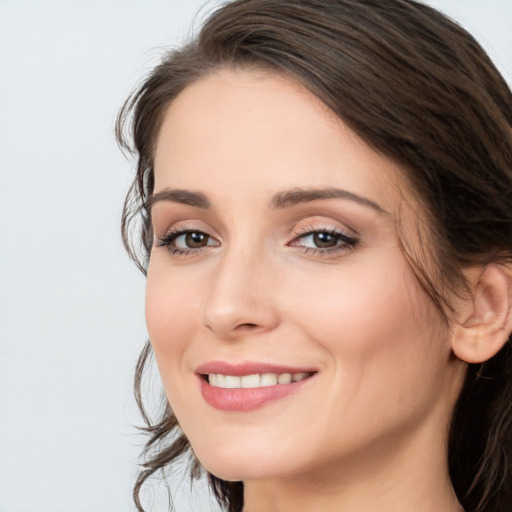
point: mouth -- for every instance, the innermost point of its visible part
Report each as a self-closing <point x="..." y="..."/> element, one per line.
<point x="248" y="386"/>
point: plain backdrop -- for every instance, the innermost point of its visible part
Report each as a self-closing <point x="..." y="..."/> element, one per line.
<point x="71" y="303"/>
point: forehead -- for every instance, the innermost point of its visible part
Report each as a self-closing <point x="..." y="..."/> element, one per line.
<point x="266" y="132"/>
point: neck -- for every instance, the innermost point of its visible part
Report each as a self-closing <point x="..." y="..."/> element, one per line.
<point x="400" y="475"/>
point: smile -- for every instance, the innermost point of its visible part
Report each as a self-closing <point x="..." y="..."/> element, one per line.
<point x="248" y="386"/>
<point x="257" y="380"/>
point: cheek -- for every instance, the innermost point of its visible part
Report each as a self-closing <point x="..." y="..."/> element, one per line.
<point x="358" y="304"/>
<point x="171" y="318"/>
<point x="379" y="331"/>
<point x="170" y="323"/>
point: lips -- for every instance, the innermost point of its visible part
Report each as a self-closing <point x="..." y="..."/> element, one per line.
<point x="248" y="386"/>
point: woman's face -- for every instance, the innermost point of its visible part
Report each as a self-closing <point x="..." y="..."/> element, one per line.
<point x="287" y="326"/>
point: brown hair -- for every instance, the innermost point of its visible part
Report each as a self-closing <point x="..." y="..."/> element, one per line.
<point x="419" y="89"/>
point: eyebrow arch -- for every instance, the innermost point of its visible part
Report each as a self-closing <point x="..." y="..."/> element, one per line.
<point x="304" y="195"/>
<point x="181" y="196"/>
<point x="281" y="200"/>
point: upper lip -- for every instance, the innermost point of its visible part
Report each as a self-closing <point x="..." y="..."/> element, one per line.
<point x="248" y="368"/>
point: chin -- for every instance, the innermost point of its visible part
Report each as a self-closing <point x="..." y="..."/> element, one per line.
<point x="235" y="470"/>
<point x="244" y="465"/>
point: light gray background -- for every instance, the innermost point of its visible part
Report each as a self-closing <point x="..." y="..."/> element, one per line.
<point x="71" y="304"/>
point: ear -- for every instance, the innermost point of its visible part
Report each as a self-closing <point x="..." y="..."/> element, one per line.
<point x="485" y="317"/>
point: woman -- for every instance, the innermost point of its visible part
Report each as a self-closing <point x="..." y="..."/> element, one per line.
<point x="324" y="190"/>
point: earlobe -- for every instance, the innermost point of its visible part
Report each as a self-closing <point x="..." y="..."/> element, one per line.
<point x="485" y="318"/>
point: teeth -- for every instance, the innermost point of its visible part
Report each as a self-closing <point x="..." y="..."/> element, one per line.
<point x="284" y="378"/>
<point x="268" y="379"/>
<point x="254" y="381"/>
<point x="249" y="381"/>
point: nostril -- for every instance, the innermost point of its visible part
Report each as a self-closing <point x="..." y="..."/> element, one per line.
<point x="246" y="327"/>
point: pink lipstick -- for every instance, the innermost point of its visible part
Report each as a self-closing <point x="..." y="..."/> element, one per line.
<point x="248" y="386"/>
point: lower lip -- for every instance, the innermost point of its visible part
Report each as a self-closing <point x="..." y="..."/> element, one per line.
<point x="246" y="399"/>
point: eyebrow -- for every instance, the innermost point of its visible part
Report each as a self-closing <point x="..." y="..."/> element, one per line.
<point x="285" y="199"/>
<point x="180" y="196"/>
<point x="305" y="195"/>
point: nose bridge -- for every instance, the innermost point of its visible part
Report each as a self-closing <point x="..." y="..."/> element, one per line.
<point x="240" y="297"/>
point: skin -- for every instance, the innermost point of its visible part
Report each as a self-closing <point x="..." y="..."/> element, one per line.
<point x="368" y="431"/>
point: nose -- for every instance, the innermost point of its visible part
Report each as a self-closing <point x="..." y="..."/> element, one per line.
<point x="241" y="300"/>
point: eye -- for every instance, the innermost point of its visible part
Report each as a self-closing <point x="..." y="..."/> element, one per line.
<point x="323" y="241"/>
<point x="186" y="241"/>
<point x="191" y="240"/>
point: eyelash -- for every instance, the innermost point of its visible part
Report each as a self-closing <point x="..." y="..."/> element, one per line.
<point x="343" y="241"/>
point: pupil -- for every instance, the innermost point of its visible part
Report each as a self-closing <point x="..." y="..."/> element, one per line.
<point x="324" y="240"/>
<point x="194" y="239"/>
